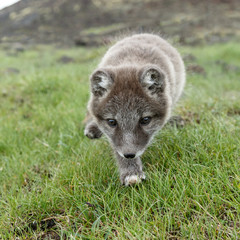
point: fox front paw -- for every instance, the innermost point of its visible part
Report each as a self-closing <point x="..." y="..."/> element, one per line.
<point x="92" y="131"/>
<point x="129" y="180"/>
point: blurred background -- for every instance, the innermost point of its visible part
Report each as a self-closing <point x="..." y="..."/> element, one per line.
<point x="93" y="22"/>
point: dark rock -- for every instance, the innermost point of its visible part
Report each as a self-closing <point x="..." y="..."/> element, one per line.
<point x="65" y="59"/>
<point x="88" y="41"/>
<point x="18" y="47"/>
<point x="189" y="58"/>
<point x="177" y="121"/>
<point x="187" y="118"/>
<point x="11" y="70"/>
<point x="228" y="67"/>
<point x="194" y="68"/>
<point x="233" y="111"/>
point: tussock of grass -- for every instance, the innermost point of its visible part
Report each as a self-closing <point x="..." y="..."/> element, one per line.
<point x="55" y="182"/>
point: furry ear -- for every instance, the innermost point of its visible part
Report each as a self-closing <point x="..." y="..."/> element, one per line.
<point x="101" y="82"/>
<point x="153" y="80"/>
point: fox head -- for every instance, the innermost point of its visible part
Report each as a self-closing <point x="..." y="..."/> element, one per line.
<point x="130" y="105"/>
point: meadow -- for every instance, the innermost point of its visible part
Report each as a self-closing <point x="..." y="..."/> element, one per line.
<point x="57" y="184"/>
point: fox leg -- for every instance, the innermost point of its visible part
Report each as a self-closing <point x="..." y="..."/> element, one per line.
<point x="130" y="170"/>
<point x="91" y="129"/>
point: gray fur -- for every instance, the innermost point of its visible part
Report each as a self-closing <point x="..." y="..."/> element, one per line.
<point x="141" y="77"/>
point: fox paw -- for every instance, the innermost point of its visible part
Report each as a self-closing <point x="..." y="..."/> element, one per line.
<point x="92" y="131"/>
<point x="132" y="179"/>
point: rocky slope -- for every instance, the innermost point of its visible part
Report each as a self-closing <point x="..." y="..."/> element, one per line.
<point x="90" y="22"/>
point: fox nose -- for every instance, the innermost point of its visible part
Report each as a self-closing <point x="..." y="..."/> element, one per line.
<point x="129" y="155"/>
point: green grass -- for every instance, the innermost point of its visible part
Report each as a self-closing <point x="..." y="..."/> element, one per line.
<point x="56" y="182"/>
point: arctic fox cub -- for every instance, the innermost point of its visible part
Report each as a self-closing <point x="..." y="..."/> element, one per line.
<point x="133" y="91"/>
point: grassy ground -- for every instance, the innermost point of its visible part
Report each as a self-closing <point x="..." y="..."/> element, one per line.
<point x="57" y="184"/>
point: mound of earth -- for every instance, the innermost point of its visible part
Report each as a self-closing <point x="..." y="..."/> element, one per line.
<point x="91" y="22"/>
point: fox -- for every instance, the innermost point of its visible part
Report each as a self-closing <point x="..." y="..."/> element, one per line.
<point x="132" y="93"/>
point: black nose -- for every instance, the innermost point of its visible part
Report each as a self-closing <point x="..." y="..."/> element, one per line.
<point x="129" y="155"/>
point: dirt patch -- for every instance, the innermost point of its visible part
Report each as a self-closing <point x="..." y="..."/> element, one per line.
<point x="189" y="58"/>
<point x="233" y="112"/>
<point x="42" y="171"/>
<point x="11" y="70"/>
<point x="177" y="121"/>
<point x="65" y="60"/>
<point x="197" y="69"/>
<point x="50" y="235"/>
<point x="182" y="121"/>
<point x="45" y="229"/>
<point x="226" y="67"/>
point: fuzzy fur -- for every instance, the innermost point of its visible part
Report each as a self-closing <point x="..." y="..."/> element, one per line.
<point x="141" y="76"/>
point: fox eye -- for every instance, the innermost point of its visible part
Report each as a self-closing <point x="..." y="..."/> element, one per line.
<point x="145" y="120"/>
<point x="112" y="122"/>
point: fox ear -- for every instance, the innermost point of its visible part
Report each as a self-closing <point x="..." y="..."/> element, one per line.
<point x="101" y="82"/>
<point x="153" y="80"/>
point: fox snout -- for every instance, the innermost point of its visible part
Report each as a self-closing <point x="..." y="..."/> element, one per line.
<point x="129" y="146"/>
